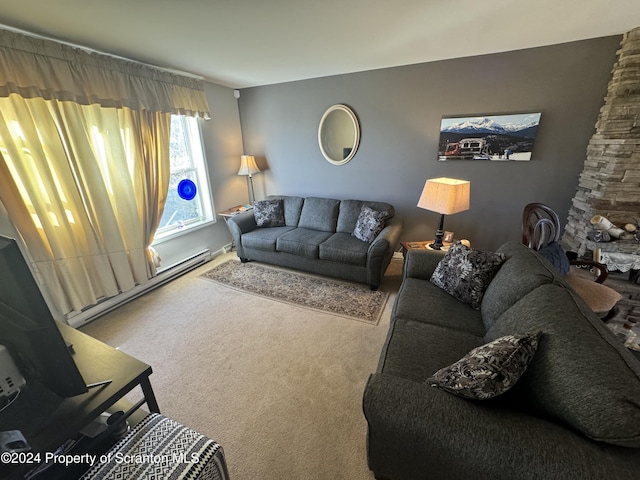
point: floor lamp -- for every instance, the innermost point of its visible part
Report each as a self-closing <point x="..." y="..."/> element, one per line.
<point x="248" y="167"/>
<point x="445" y="196"/>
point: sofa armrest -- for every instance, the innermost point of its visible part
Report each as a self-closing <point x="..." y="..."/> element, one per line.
<point x="388" y="237"/>
<point x="381" y="250"/>
<point x="420" y="263"/>
<point x="238" y="225"/>
<point x="415" y="428"/>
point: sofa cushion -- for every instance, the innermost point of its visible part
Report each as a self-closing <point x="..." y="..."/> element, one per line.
<point x="422" y="301"/>
<point x="263" y="238"/>
<point x="302" y="241"/>
<point x="415" y="350"/>
<point x="319" y="214"/>
<point x="581" y="374"/>
<point x="350" y="211"/>
<point x="488" y="370"/>
<point x="522" y="271"/>
<point x="269" y="213"/>
<point x="344" y="248"/>
<point x="292" y="208"/>
<point x="370" y="223"/>
<point x="466" y="273"/>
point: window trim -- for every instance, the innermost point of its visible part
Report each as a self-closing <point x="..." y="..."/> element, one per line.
<point x="200" y="166"/>
<point x="177" y="232"/>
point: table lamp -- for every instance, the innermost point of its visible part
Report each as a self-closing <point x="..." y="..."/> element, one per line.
<point x="248" y="167"/>
<point x="445" y="196"/>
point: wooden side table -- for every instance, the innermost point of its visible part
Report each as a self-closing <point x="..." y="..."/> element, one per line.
<point x="422" y="245"/>
<point x="231" y="212"/>
<point x="234" y="211"/>
<point x="425" y="245"/>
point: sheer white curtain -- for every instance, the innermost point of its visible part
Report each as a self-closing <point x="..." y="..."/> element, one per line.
<point x="84" y="162"/>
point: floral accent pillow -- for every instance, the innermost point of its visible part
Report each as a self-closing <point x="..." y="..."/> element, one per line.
<point x="269" y="213"/>
<point x="488" y="370"/>
<point x="466" y="273"/>
<point x="370" y="223"/>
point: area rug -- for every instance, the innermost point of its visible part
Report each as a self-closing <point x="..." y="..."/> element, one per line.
<point x="351" y="300"/>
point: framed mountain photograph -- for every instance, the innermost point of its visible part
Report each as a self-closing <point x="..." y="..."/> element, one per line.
<point x="498" y="138"/>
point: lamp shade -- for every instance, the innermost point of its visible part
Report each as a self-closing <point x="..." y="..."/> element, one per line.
<point x="248" y="165"/>
<point x="445" y="195"/>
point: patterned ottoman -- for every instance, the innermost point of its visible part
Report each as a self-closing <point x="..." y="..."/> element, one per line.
<point x="160" y="448"/>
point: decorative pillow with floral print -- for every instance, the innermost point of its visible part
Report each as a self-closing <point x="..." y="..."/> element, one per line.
<point x="370" y="223"/>
<point x="488" y="370"/>
<point x="466" y="273"/>
<point x="269" y="213"/>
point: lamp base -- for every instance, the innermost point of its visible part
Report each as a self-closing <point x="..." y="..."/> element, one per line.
<point x="252" y="195"/>
<point x="437" y="244"/>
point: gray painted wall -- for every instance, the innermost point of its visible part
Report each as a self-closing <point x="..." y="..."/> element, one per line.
<point x="400" y="111"/>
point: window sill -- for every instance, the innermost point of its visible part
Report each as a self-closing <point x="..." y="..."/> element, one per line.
<point x="161" y="238"/>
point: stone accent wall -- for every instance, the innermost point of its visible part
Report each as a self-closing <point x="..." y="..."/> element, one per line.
<point x="610" y="182"/>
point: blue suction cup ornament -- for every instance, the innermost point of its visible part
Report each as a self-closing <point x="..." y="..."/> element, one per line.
<point x="187" y="189"/>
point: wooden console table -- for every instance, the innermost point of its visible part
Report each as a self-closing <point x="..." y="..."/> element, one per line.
<point x="48" y="421"/>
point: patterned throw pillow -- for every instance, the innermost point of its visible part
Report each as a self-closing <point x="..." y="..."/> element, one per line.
<point x="488" y="370"/>
<point x="370" y="223"/>
<point x="466" y="273"/>
<point x="269" y="213"/>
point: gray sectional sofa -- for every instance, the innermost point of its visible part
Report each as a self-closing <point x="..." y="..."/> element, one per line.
<point x="574" y="413"/>
<point x="317" y="236"/>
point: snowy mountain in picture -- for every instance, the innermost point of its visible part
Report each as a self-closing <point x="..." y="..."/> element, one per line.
<point x="480" y="125"/>
<point x="488" y="137"/>
<point x="505" y="124"/>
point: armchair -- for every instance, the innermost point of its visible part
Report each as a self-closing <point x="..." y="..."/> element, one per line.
<point x="541" y="232"/>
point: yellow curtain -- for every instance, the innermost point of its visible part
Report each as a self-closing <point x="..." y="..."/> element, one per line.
<point x="153" y="173"/>
<point x="36" y="67"/>
<point x="84" y="162"/>
<point x="85" y="186"/>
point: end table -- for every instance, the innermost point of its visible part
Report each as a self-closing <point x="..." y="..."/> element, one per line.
<point x="231" y="212"/>
<point x="425" y="245"/>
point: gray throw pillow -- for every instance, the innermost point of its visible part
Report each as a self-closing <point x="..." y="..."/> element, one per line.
<point x="466" y="273"/>
<point x="370" y="223"/>
<point x="488" y="370"/>
<point x="269" y="213"/>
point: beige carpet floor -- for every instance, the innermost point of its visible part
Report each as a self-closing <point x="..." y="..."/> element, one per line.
<point x="278" y="386"/>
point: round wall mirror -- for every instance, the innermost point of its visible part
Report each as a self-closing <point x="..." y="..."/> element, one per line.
<point x="339" y="134"/>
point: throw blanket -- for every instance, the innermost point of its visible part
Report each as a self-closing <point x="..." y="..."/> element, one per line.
<point x="159" y="447"/>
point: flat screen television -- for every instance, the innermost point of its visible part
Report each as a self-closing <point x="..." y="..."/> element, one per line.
<point x="29" y="330"/>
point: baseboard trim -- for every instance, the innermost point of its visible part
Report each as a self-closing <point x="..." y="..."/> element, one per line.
<point x="77" y="319"/>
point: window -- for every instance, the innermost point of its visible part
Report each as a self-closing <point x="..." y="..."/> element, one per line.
<point x="187" y="162"/>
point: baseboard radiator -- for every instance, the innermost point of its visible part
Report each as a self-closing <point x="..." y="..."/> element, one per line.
<point x="77" y="319"/>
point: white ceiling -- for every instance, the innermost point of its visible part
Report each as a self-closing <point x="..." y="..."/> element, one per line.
<point x="244" y="43"/>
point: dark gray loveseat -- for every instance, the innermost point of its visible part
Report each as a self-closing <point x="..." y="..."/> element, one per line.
<point x="574" y="414"/>
<point x="317" y="236"/>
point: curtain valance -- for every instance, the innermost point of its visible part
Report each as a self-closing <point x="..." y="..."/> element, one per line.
<point x="35" y="67"/>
